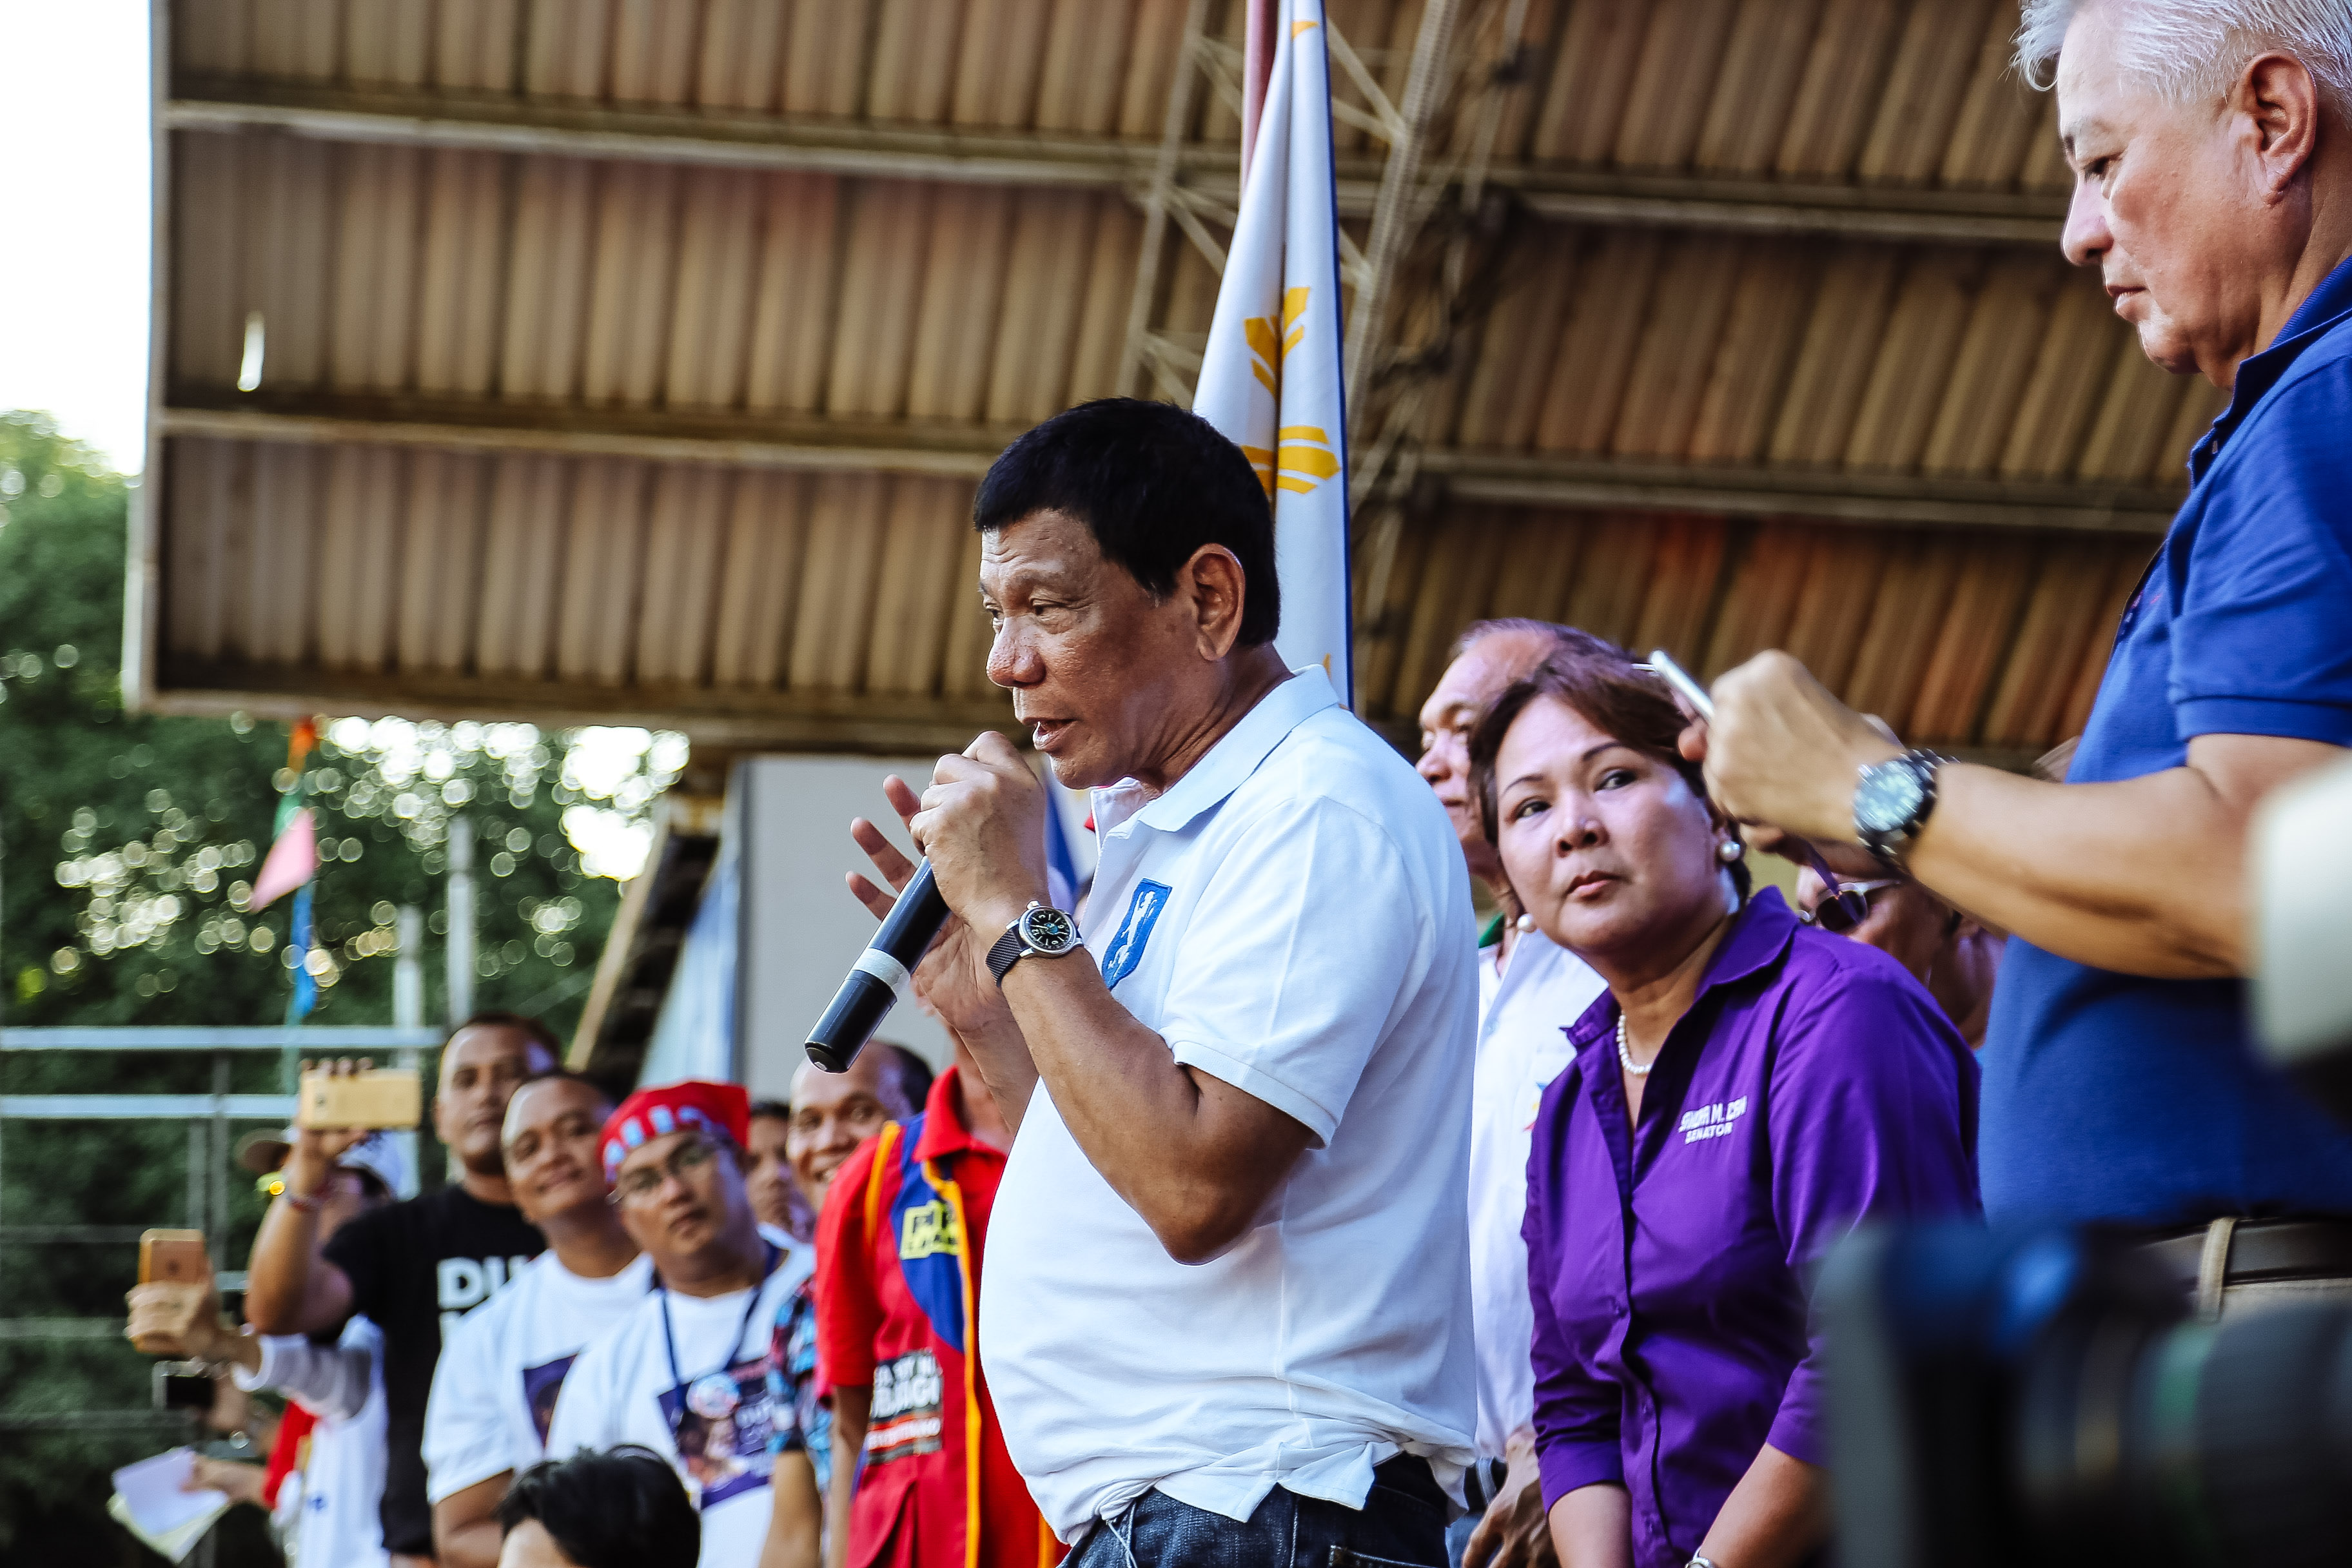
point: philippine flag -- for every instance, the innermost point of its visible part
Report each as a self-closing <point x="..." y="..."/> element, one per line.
<point x="1271" y="378"/>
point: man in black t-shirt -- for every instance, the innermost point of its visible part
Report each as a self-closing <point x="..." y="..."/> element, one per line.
<point x="411" y="1267"/>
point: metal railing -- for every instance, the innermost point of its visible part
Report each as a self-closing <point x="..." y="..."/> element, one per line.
<point x="209" y="1116"/>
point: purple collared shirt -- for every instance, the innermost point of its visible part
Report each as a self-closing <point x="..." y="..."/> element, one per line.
<point x="1811" y="1084"/>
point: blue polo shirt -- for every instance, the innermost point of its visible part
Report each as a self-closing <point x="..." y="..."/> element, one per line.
<point x="2111" y="1097"/>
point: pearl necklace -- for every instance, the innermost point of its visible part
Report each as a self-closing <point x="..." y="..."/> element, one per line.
<point x="1625" y="1053"/>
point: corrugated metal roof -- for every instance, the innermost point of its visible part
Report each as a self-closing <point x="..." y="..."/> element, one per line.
<point x="1986" y="641"/>
<point x="637" y="359"/>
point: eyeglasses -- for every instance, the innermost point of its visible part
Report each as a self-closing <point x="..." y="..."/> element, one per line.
<point x="1847" y="906"/>
<point x="640" y="1186"/>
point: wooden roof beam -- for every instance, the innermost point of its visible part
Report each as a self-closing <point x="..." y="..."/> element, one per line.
<point x="1875" y="499"/>
<point x="543" y="128"/>
<point x="750" y="718"/>
<point x="863" y="446"/>
<point x="1882" y="499"/>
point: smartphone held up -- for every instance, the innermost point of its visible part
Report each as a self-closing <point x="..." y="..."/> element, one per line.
<point x="373" y="1097"/>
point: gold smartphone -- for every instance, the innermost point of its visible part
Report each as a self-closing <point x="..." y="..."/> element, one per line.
<point x="173" y="1258"/>
<point x="380" y="1096"/>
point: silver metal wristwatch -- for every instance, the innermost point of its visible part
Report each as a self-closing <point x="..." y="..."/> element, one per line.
<point x="1040" y="931"/>
<point x="1890" y="803"/>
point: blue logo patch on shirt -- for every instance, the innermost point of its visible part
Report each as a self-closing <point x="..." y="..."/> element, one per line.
<point x="1125" y="950"/>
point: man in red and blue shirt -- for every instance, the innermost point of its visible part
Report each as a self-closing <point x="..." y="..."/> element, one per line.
<point x="920" y="1474"/>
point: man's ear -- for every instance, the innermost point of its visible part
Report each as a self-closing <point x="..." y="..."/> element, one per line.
<point x="2277" y="93"/>
<point x="1218" y="589"/>
<point x="629" y="1223"/>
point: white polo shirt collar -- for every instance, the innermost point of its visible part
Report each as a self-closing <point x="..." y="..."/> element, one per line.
<point x="1224" y="766"/>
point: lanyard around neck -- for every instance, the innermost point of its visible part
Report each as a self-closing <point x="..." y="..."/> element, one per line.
<point x="768" y="1258"/>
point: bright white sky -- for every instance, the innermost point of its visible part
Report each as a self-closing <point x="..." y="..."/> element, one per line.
<point x="74" y="117"/>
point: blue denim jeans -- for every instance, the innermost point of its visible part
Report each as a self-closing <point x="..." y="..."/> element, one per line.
<point x="1401" y="1525"/>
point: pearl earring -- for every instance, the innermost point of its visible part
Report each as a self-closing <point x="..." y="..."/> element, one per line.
<point x="1730" y="850"/>
<point x="1526" y="923"/>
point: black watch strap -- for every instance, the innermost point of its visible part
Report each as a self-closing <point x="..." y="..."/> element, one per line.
<point x="1008" y="951"/>
<point x="1041" y="930"/>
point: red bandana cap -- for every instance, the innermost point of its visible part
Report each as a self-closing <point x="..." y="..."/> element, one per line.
<point x="651" y="1113"/>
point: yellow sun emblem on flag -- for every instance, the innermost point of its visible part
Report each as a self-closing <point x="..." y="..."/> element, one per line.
<point x="1302" y="458"/>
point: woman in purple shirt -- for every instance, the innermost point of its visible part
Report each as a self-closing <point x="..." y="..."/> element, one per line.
<point x="1746" y="1090"/>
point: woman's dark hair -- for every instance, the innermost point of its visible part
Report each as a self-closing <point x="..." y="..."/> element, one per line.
<point x="1154" y="483"/>
<point x="1616" y="697"/>
<point x="624" y="1507"/>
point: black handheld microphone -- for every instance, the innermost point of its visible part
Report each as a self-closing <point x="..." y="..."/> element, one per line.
<point x="881" y="974"/>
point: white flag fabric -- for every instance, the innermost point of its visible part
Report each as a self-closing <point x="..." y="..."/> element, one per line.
<point x="1271" y="378"/>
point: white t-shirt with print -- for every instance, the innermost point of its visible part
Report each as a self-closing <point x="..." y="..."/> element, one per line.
<point x="495" y="1387"/>
<point x="623" y="1390"/>
<point x="1293" y="917"/>
<point x="1523" y="1018"/>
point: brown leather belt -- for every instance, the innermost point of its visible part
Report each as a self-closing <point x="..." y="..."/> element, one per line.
<point x="2263" y="1249"/>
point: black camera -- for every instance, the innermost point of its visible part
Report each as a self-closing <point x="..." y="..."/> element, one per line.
<point x="182" y="1385"/>
<point x="2041" y="1396"/>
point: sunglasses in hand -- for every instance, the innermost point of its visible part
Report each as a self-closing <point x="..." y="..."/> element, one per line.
<point x="1844" y="906"/>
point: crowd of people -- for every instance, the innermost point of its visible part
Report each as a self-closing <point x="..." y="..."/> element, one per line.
<point x="1311" y="1216"/>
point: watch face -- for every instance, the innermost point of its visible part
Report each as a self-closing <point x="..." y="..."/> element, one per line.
<point x="1887" y="798"/>
<point x="1049" y="930"/>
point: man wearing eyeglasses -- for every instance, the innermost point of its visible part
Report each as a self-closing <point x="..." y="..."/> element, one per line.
<point x="1953" y="954"/>
<point x="684" y="1373"/>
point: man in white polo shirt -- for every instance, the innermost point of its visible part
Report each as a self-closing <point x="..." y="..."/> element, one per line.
<point x="685" y="1371"/>
<point x="1227" y="1305"/>
<point x="1529" y="990"/>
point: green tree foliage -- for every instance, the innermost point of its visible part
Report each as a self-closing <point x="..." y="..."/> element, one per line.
<point x="128" y="843"/>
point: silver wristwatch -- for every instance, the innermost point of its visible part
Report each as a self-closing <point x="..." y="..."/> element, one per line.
<point x="1039" y="930"/>
<point x="1891" y="801"/>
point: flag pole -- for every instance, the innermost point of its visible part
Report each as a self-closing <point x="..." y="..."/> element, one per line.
<point x="1272" y="372"/>
<point x="1257" y="66"/>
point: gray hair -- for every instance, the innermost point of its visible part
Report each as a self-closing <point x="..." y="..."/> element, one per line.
<point x="1559" y="640"/>
<point x="2187" y="50"/>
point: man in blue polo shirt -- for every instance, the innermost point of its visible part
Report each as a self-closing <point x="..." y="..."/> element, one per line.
<point x="2214" y="193"/>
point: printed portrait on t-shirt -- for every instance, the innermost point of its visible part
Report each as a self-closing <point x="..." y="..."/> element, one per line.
<point x="541" y="1384"/>
<point x="721" y="1424"/>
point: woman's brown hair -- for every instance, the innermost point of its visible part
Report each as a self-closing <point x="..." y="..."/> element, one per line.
<point x="1616" y="696"/>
